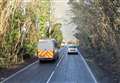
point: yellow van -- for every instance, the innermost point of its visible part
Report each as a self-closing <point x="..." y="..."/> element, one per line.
<point x="47" y="50"/>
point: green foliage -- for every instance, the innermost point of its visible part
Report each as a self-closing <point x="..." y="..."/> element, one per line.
<point x="30" y="48"/>
<point x="14" y="44"/>
<point x="56" y="33"/>
<point x="43" y="16"/>
<point x="11" y="38"/>
<point x="98" y="30"/>
<point x="43" y="30"/>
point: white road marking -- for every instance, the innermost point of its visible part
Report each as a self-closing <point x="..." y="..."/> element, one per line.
<point x="52" y="71"/>
<point x="22" y="70"/>
<point x="60" y="61"/>
<point x="19" y="71"/>
<point x="50" y="77"/>
<point x="88" y="68"/>
<point x="55" y="69"/>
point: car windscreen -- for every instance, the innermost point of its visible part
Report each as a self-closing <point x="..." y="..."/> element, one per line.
<point x="45" y="45"/>
<point x="72" y="46"/>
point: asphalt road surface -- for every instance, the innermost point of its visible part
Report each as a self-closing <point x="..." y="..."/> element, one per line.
<point x="68" y="69"/>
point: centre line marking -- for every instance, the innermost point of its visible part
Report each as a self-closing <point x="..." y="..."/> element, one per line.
<point x="55" y="69"/>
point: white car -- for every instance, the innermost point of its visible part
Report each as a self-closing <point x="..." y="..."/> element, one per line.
<point x="72" y="49"/>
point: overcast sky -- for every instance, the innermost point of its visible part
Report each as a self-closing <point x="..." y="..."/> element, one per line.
<point x="63" y="14"/>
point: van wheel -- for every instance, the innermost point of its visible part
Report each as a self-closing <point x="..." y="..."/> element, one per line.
<point x="57" y="57"/>
<point x="40" y="61"/>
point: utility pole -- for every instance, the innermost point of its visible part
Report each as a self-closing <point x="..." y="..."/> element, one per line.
<point x="49" y="19"/>
<point x="48" y="23"/>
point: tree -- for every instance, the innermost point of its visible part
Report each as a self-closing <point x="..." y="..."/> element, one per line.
<point x="56" y="33"/>
<point x="98" y="30"/>
<point x="12" y="20"/>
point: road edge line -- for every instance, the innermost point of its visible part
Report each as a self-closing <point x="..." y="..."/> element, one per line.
<point x="21" y="70"/>
<point x="87" y="66"/>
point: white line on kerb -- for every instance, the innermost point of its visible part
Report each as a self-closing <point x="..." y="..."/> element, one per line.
<point x="88" y="68"/>
<point x="19" y="71"/>
<point x="54" y="69"/>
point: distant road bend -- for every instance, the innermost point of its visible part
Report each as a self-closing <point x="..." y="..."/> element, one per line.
<point x="68" y="69"/>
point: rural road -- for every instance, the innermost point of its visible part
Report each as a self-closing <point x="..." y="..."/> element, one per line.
<point x="70" y="68"/>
